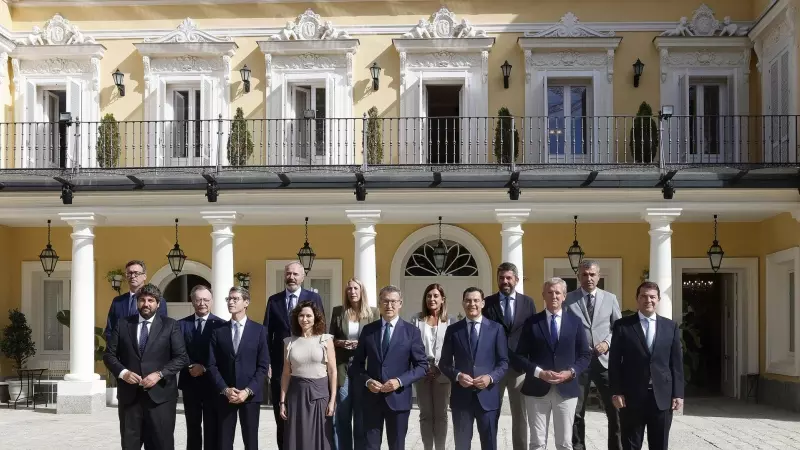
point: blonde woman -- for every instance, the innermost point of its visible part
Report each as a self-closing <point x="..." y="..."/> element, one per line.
<point x="433" y="391"/>
<point x="346" y="324"/>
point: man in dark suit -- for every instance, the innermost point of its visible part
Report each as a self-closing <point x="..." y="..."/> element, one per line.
<point x="389" y="359"/>
<point x="552" y="352"/>
<point x="146" y="351"/>
<point x="238" y="361"/>
<point x="646" y="372"/>
<point x="125" y="305"/>
<point x="195" y="382"/>
<point x="276" y="321"/>
<point x="511" y="309"/>
<point x="475" y="358"/>
<point x="598" y="310"/>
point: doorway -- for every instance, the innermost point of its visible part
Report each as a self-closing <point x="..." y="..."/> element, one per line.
<point x="444" y="127"/>
<point x="709" y="332"/>
<point x="178" y="290"/>
<point x="308" y="103"/>
<point x="54" y="102"/>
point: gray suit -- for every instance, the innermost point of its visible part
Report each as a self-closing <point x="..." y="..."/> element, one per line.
<point x="598" y="329"/>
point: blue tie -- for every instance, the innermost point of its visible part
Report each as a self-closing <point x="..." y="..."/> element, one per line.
<point x="473" y="338"/>
<point x="143" y="337"/>
<point x="507" y="316"/>
<point x="553" y="331"/>
<point x="132" y="309"/>
<point x="198" y="329"/>
<point x="387" y="335"/>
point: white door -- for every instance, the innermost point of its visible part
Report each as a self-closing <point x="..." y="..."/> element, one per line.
<point x="50" y="155"/>
<point x="568" y="128"/>
<point x="779" y="127"/>
<point x="308" y="128"/>
<point x="710" y="130"/>
<point x="184" y="135"/>
<point x="729" y="334"/>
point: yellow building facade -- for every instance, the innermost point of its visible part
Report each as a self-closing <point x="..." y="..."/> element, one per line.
<point x="371" y="120"/>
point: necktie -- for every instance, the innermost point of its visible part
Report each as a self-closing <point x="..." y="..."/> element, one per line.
<point x="649" y="336"/>
<point x="387" y="336"/>
<point x="508" y="317"/>
<point x="473" y="338"/>
<point x="292" y="299"/>
<point x="236" y="336"/>
<point x="553" y="330"/>
<point x="198" y="329"/>
<point x="132" y="310"/>
<point x="590" y="306"/>
<point x="143" y="337"/>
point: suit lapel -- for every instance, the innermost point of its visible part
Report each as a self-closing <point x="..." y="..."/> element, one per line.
<point x="520" y="309"/>
<point x="637" y="328"/>
<point x="155" y="329"/>
<point x="392" y="339"/>
<point x="546" y="331"/>
<point x="377" y="338"/>
<point x="598" y="301"/>
<point x="579" y="306"/>
<point x="463" y="336"/>
<point x="227" y="338"/>
<point x="132" y="325"/>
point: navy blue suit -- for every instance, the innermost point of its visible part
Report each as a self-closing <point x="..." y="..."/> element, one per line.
<point x="472" y="404"/>
<point x="246" y="368"/>
<point x="198" y="392"/>
<point x="121" y="308"/>
<point x="405" y="360"/>
<point x="276" y="321"/>
<point x="535" y="349"/>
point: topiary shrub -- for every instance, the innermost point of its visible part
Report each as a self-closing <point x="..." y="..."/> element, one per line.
<point x="644" y="135"/>
<point x="108" y="145"/>
<point x="374" y="137"/>
<point x="502" y="138"/>
<point x="240" y="141"/>
<point x="17" y="341"/>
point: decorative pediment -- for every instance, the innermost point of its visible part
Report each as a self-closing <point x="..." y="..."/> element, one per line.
<point x="57" y="31"/>
<point x="187" y="31"/>
<point x="715" y="52"/>
<point x="443" y="25"/>
<point x="309" y="27"/>
<point x="186" y="40"/>
<point x="704" y="24"/>
<point x="569" y="27"/>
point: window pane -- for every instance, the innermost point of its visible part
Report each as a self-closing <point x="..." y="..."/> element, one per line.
<point x="319" y="134"/>
<point x="53" y="303"/>
<point x="555" y="119"/>
<point x="578" y="112"/>
<point x="196" y="116"/>
<point x="180" y="143"/>
<point x="693" y="119"/>
<point x="711" y="114"/>
<point x="792" y="309"/>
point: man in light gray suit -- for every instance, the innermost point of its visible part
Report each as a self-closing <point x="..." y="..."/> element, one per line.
<point x="598" y="309"/>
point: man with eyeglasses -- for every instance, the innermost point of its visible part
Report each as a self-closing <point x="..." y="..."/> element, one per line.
<point x="125" y="305"/>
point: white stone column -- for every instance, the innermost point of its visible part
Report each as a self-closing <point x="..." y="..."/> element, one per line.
<point x="511" y="221"/>
<point x="364" y="255"/>
<point x="81" y="391"/>
<point x="661" y="254"/>
<point x="222" y="269"/>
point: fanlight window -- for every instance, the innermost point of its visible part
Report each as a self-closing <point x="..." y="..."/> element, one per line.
<point x="459" y="261"/>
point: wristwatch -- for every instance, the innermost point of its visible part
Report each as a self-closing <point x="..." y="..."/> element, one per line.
<point x="160" y="375"/>
<point x="572" y="371"/>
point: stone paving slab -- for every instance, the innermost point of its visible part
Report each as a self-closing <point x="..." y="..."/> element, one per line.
<point x="705" y="424"/>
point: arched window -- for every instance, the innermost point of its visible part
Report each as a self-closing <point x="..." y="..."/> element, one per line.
<point x="459" y="261"/>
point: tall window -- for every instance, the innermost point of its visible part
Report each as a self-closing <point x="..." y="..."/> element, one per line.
<point x="792" y="309"/>
<point x="309" y="128"/>
<point x="708" y="129"/>
<point x="186" y="126"/>
<point x="568" y="111"/>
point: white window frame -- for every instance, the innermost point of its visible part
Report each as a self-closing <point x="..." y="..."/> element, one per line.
<point x="299" y="130"/>
<point x="726" y="126"/>
<point x="610" y="269"/>
<point x="779" y="266"/>
<point x="563" y="79"/>
<point x="32" y="272"/>
<point x="172" y="129"/>
<point x="322" y="268"/>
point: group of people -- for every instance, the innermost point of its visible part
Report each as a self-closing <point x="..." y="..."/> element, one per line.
<point x="338" y="385"/>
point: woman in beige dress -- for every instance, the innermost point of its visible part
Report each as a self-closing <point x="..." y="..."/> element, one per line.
<point x="308" y="382"/>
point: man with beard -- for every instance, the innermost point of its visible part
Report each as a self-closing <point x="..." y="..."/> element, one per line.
<point x="146" y="351"/>
<point x="276" y="321"/>
<point x="511" y="309"/>
<point x="125" y="305"/>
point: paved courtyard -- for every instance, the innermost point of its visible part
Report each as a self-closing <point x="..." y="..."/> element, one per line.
<point x="706" y="424"/>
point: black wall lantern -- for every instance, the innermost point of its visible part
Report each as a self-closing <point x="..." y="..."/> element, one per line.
<point x="116" y="282"/>
<point x="119" y="82"/>
<point x="575" y="252"/>
<point x="245" y="73"/>
<point x="176" y="257"/>
<point x="306" y="254"/>
<point x="48" y="256"/>
<point x="506" y="68"/>
<point x="638" y="68"/>
<point x="375" y="71"/>
<point x="440" y="251"/>
<point x="715" y="252"/>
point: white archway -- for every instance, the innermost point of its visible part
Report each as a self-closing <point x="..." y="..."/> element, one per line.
<point x="450" y="232"/>
<point x="164" y="276"/>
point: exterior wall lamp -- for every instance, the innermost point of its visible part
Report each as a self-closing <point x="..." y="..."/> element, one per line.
<point x="245" y="73"/>
<point x="119" y="82"/>
<point x="375" y="71"/>
<point x="506" y="68"/>
<point x="638" y="68"/>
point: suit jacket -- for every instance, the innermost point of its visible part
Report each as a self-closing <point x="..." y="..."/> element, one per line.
<point x="491" y="358"/>
<point x="197" y="349"/>
<point x="535" y="349"/>
<point x="165" y="351"/>
<point x="601" y="327"/>
<point x="631" y="366"/>
<point x="276" y="322"/>
<point x="120" y="308"/>
<point x="524" y="307"/>
<point x="338" y="330"/>
<point x="246" y="368"/>
<point x="405" y="360"/>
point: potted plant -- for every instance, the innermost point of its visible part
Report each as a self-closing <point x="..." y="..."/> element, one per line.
<point x="502" y="138"/>
<point x="18" y="346"/>
<point x="644" y="135"/>
<point x="63" y="318"/>
<point x="240" y="141"/>
<point x="374" y="137"/>
<point x="108" y="144"/>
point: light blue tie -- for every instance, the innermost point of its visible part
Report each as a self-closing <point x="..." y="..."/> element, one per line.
<point x="292" y="299"/>
<point x="236" y="336"/>
<point x="649" y="336"/>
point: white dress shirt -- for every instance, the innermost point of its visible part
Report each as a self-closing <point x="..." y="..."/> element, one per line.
<point x="203" y="321"/>
<point x="296" y="298"/>
<point x="511" y="302"/>
<point x="550" y="316"/>
<point x="139" y="335"/>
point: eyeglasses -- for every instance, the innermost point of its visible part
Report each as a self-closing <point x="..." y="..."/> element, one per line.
<point x="391" y="302"/>
<point x="133" y="274"/>
<point x="202" y="300"/>
<point x="233" y="299"/>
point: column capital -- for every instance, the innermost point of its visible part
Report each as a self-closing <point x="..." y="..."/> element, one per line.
<point x="364" y="216"/>
<point x="82" y="218"/>
<point x="661" y="216"/>
<point x="519" y="215"/>
<point x="220" y="217"/>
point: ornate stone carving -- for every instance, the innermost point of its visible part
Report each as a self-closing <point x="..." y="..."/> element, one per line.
<point x="186" y="64"/>
<point x="57" y="31"/>
<point x="610" y="65"/>
<point x="3" y="66"/>
<point x="664" y="57"/>
<point x="568" y="58"/>
<point x="187" y="31"/>
<point x="705" y="58"/>
<point x="485" y="66"/>
<point x="309" y="61"/>
<point x="226" y="67"/>
<point x="349" y="60"/>
<point x="307" y="27"/>
<point x="570" y="27"/>
<point x="403" y="61"/>
<point x="704" y="23"/>
<point x="95" y="64"/>
<point x="443" y="59"/>
<point x="443" y="24"/>
<point x="528" y="65"/>
<point x="15" y="68"/>
<point x="54" y="66"/>
<point x="268" y="62"/>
